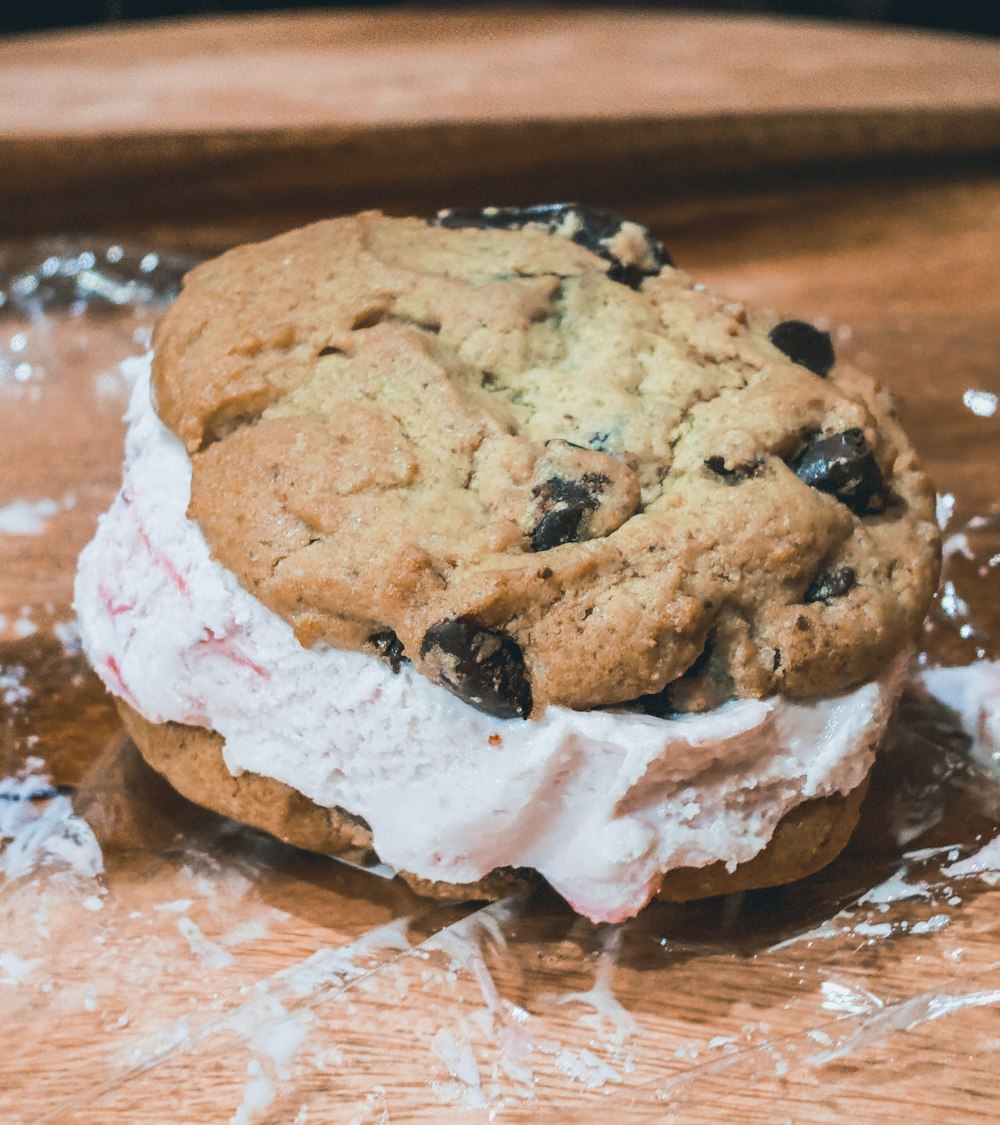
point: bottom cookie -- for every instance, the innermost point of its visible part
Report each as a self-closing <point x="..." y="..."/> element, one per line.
<point x="807" y="838"/>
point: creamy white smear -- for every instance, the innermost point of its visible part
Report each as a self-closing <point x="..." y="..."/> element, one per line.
<point x="972" y="691"/>
<point x="27" y="517"/>
<point x="600" y="802"/>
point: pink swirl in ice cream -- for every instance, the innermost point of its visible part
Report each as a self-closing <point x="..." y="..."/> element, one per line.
<point x="602" y="803"/>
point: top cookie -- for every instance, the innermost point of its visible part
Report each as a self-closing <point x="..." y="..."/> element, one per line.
<point x="541" y="466"/>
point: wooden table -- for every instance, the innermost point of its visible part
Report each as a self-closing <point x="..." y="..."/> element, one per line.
<point x="208" y="974"/>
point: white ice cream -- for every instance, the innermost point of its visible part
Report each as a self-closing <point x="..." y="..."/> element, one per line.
<point x="600" y="802"/>
<point x="973" y="692"/>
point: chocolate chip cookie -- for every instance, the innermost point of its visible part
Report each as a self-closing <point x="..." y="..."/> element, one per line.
<point x="521" y="450"/>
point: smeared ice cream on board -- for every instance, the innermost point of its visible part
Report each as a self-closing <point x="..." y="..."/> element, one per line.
<point x="973" y="692"/>
<point x="600" y="802"/>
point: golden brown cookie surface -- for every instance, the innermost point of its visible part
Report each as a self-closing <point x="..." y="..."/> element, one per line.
<point x="474" y="448"/>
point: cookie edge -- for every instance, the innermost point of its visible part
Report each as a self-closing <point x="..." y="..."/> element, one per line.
<point x="807" y="838"/>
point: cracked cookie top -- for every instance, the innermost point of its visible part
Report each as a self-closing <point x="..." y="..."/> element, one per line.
<point x="520" y="449"/>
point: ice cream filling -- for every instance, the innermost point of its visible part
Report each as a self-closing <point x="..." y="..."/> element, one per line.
<point x="601" y="803"/>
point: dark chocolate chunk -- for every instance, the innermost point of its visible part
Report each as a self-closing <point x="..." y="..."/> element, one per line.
<point x="804" y="344"/>
<point x="583" y="493"/>
<point x="831" y="584"/>
<point x="482" y="667"/>
<point x="844" y="466"/>
<point x="595" y="228"/>
<point x="626" y="275"/>
<point x="557" y="527"/>
<point x="389" y="648"/>
<point x="564" y="504"/>
<point x="736" y="474"/>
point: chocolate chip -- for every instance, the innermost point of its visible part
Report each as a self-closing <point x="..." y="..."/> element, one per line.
<point x="389" y="648"/>
<point x="627" y="274"/>
<point x="557" y="527"/>
<point x="482" y="667"/>
<point x="844" y="466"/>
<point x="582" y="493"/>
<point x="564" y="504"/>
<point x="804" y="344"/>
<point x="737" y="473"/>
<point x="590" y="227"/>
<point x="330" y="350"/>
<point x="831" y="584"/>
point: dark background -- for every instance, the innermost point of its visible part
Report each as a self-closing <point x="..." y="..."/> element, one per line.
<point x="981" y="17"/>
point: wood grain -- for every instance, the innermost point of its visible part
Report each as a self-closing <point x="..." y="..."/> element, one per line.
<point x="325" y="113"/>
<point x="210" y="974"/>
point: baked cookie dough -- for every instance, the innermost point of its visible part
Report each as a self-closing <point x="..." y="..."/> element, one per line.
<point x="541" y="477"/>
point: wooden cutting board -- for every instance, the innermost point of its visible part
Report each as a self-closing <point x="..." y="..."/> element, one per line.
<point x="281" y="117"/>
<point x="205" y="973"/>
